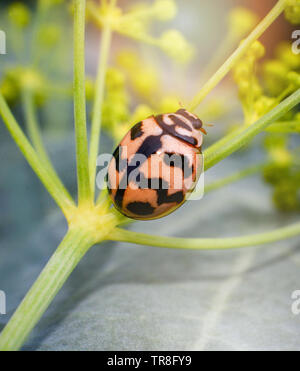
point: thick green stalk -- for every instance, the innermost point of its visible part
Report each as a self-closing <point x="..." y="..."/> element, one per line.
<point x="98" y="102"/>
<point x="36" y="139"/>
<point x="239" y="52"/>
<point x="73" y="247"/>
<point x="84" y="190"/>
<point x="232" y="143"/>
<point x="57" y="192"/>
<point x="206" y="243"/>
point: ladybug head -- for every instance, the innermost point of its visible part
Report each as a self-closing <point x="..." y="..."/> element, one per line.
<point x="194" y="120"/>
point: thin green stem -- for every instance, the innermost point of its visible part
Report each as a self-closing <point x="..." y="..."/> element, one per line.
<point x="36" y="139"/>
<point x="73" y="247"/>
<point x="206" y="243"/>
<point x="98" y="102"/>
<point x="251" y="170"/>
<point x="33" y="159"/>
<point x="32" y="126"/>
<point x="239" y="52"/>
<point x="235" y="141"/>
<point x="84" y="189"/>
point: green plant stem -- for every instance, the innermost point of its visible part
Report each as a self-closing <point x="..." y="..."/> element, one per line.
<point x="98" y="102"/>
<point x="251" y="170"/>
<point x="234" y="141"/>
<point x="206" y="243"/>
<point x="84" y="190"/>
<point x="32" y="126"/>
<point x="239" y="52"/>
<point x="73" y="247"/>
<point x="36" y="139"/>
<point x="33" y="159"/>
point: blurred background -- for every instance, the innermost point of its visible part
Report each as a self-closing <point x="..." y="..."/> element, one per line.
<point x="125" y="297"/>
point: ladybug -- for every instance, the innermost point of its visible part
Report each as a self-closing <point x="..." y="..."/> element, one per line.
<point x="156" y="165"/>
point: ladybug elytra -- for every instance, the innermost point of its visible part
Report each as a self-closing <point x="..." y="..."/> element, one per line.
<point x="156" y="165"/>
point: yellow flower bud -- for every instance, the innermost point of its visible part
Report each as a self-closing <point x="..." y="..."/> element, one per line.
<point x="145" y="81"/>
<point x="263" y="105"/>
<point x="174" y="44"/>
<point x="128" y="60"/>
<point x="244" y="87"/>
<point x="31" y="79"/>
<point x="19" y="14"/>
<point x="257" y="49"/>
<point x="9" y="90"/>
<point x="292" y="11"/>
<point x="242" y="72"/>
<point x="49" y="35"/>
<point x="294" y="78"/>
<point x="165" y="9"/>
<point x="241" y="21"/>
<point x="275" y="73"/>
<point x="285" y="54"/>
<point x="281" y="156"/>
<point x="115" y="79"/>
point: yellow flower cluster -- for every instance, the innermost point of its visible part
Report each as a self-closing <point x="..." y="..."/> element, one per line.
<point x="49" y="35"/>
<point x="280" y="77"/>
<point x="136" y="24"/>
<point x="292" y="11"/>
<point x="250" y="91"/>
<point x="142" y="76"/>
<point x="16" y="79"/>
<point x="283" y="173"/>
<point x="277" y="72"/>
<point x="240" y="21"/>
<point x="19" y="14"/>
<point x="115" y="109"/>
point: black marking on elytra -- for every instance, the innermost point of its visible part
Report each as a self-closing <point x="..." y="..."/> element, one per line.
<point x="164" y="198"/>
<point x="178" y="122"/>
<point x="179" y="160"/>
<point x="108" y="184"/>
<point x="119" y="197"/>
<point x="120" y="163"/>
<point x="162" y="187"/>
<point x="140" y="208"/>
<point x="171" y="130"/>
<point x="150" y="145"/>
<point x="196" y="122"/>
<point x="136" y="131"/>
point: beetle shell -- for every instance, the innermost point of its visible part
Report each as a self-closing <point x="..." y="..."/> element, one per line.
<point x="156" y="165"/>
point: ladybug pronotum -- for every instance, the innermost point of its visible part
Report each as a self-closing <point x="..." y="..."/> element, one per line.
<point x="156" y="165"/>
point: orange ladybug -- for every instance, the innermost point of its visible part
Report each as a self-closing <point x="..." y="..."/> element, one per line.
<point x="156" y="165"/>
